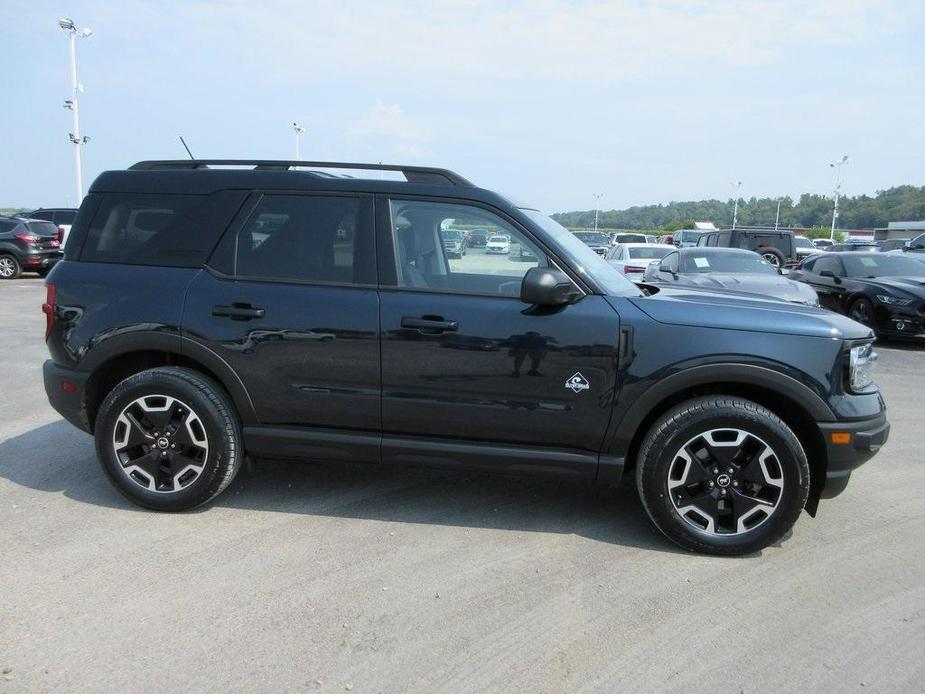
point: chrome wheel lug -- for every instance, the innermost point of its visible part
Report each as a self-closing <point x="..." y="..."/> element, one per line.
<point x="715" y="470"/>
<point x="735" y="483"/>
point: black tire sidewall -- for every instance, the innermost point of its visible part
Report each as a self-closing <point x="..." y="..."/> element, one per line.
<point x="210" y="404"/>
<point x="662" y="443"/>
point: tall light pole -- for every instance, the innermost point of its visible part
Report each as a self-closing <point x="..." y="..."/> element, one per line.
<point x="71" y="104"/>
<point x="298" y="137"/>
<point x="735" y="210"/>
<point x="597" y="197"/>
<point x="777" y="218"/>
<point x="837" y="166"/>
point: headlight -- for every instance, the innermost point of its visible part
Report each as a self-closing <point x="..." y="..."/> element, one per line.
<point x="892" y="300"/>
<point x="861" y="367"/>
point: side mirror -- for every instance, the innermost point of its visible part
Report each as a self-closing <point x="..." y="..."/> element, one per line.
<point x="783" y="271"/>
<point x="827" y="273"/>
<point x="667" y="268"/>
<point x="544" y="286"/>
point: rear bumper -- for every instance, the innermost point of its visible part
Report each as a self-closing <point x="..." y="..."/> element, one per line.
<point x="40" y="260"/>
<point x="66" y="389"/>
<point x="867" y="436"/>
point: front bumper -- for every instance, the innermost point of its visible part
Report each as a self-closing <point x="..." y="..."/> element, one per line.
<point x="66" y="390"/>
<point x="865" y="438"/>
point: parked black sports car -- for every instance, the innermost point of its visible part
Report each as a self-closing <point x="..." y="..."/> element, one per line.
<point x="730" y="269"/>
<point x="883" y="291"/>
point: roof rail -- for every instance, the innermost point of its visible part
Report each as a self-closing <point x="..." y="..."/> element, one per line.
<point x="413" y="174"/>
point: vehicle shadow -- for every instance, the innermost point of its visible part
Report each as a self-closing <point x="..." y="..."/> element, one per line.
<point x="56" y="458"/>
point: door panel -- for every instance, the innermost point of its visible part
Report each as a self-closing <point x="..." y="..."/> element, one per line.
<point x="310" y="359"/>
<point x="501" y="375"/>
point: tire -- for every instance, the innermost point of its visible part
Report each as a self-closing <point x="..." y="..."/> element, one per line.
<point x="862" y="310"/>
<point x="682" y="468"/>
<point x="43" y="272"/>
<point x="773" y="256"/>
<point x="10" y="268"/>
<point x="169" y="439"/>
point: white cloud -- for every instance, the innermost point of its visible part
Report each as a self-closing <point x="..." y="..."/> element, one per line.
<point x="388" y="124"/>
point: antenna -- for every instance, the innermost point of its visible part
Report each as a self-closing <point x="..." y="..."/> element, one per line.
<point x="187" y="148"/>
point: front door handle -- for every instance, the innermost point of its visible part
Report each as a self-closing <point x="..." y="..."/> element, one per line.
<point x="238" y="311"/>
<point x="429" y="324"/>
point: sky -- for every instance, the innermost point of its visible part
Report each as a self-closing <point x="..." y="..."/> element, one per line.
<point x="548" y="102"/>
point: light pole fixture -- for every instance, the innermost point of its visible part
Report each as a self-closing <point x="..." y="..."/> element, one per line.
<point x="73" y="33"/>
<point x="597" y="197"/>
<point x="777" y="218"/>
<point x="298" y="136"/>
<point x="735" y="210"/>
<point x="837" y="166"/>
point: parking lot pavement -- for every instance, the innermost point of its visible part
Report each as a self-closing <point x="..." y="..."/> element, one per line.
<point x="314" y="578"/>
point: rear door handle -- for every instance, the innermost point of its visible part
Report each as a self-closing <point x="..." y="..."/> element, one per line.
<point x="433" y="324"/>
<point x="238" y="311"/>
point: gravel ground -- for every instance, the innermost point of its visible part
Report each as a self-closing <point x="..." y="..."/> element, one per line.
<point x="309" y="578"/>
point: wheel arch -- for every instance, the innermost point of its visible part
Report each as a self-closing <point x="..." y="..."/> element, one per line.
<point x="798" y="406"/>
<point x="117" y="365"/>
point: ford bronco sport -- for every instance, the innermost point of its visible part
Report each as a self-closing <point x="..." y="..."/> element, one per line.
<point x="209" y="311"/>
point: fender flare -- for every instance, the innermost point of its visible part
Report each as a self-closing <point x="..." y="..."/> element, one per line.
<point x="708" y="374"/>
<point x="172" y="343"/>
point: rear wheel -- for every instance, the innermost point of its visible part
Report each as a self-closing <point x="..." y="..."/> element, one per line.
<point x="774" y="257"/>
<point x="722" y="475"/>
<point x="10" y="268"/>
<point x="168" y="439"/>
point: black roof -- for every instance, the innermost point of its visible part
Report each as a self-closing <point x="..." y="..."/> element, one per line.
<point x="204" y="176"/>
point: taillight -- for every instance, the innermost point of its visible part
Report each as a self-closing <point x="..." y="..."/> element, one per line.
<point x="49" y="308"/>
<point x="629" y="269"/>
<point x="27" y="238"/>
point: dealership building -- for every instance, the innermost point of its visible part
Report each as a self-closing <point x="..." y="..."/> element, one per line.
<point x="900" y="230"/>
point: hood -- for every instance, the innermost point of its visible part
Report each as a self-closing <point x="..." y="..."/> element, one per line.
<point x="730" y="311"/>
<point x="773" y="286"/>
<point x="914" y="286"/>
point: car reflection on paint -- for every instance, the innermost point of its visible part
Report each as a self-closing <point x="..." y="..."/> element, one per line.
<point x="255" y="337"/>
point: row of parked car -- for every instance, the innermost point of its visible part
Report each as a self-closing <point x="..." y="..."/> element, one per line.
<point x="883" y="290"/>
<point x="32" y="242"/>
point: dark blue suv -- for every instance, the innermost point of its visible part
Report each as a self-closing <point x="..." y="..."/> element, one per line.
<point x="207" y="311"/>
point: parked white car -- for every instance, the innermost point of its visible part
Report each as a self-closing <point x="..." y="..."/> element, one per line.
<point x="498" y="244"/>
<point x="632" y="258"/>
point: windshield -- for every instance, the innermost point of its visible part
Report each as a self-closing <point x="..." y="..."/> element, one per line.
<point x="652" y="253"/>
<point x="687" y="235"/>
<point x="881" y="265"/>
<point x="803" y="243"/>
<point x="705" y="261"/>
<point x="451" y="235"/>
<point x="592" y="237"/>
<point x="631" y="238"/>
<point x="608" y="279"/>
<point x="498" y="239"/>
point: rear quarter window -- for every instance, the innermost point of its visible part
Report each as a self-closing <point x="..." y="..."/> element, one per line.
<point x="158" y="229"/>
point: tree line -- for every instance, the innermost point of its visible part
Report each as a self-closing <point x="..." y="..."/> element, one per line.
<point x="901" y="203"/>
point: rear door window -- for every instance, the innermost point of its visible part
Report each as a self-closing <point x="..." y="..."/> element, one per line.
<point x="308" y="238"/>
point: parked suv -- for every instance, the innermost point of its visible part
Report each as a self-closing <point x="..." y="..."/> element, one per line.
<point x="777" y="247"/>
<point x="27" y="245"/>
<point x="207" y="314"/>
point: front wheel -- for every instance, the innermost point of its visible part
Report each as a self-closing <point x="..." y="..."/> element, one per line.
<point x="168" y="438"/>
<point x="722" y="475"/>
<point x="862" y="311"/>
